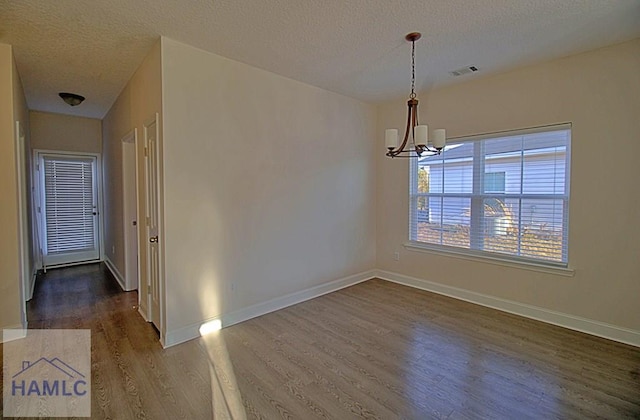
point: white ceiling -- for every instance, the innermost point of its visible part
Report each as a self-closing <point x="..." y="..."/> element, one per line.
<point x="353" y="47"/>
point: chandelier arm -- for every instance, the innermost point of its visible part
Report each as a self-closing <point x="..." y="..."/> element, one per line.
<point x="407" y="129"/>
<point x="414" y="117"/>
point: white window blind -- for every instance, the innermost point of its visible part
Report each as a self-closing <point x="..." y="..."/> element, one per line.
<point x="504" y="194"/>
<point x="69" y="204"/>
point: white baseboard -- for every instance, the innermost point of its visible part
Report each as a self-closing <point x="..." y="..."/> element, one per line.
<point x="32" y="284"/>
<point x="589" y="326"/>
<point x="112" y="267"/>
<point x="600" y="329"/>
<point x="13" y="332"/>
<point x="190" y="332"/>
<point x="143" y="313"/>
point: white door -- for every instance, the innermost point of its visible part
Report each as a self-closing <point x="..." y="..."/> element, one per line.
<point x="153" y="254"/>
<point x="68" y="208"/>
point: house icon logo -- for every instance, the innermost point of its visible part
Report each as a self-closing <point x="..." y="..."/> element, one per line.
<point x="46" y="373"/>
<point x="48" y="378"/>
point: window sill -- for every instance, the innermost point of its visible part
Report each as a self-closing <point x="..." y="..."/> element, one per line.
<point x="542" y="268"/>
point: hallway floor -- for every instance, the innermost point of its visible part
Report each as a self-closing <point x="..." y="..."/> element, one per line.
<point x="132" y="376"/>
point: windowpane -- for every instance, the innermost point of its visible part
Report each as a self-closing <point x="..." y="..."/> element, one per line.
<point x="444" y="221"/>
<point x="544" y="171"/>
<point x="517" y="205"/>
<point x="542" y="229"/>
<point x="500" y="229"/>
<point x="456" y="221"/>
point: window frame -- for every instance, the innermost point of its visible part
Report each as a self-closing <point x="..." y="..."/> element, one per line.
<point x="537" y="264"/>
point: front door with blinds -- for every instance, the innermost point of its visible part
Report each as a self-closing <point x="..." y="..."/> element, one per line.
<point x="68" y="209"/>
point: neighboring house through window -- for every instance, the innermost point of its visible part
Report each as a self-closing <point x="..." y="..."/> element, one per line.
<point x="494" y="182"/>
<point x="504" y="194"/>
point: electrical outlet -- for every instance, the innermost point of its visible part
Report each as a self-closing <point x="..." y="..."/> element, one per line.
<point x="396" y="256"/>
<point x="233" y="286"/>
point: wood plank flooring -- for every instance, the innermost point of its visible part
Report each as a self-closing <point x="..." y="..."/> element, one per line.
<point x="376" y="350"/>
<point x="132" y="376"/>
<point x="381" y="350"/>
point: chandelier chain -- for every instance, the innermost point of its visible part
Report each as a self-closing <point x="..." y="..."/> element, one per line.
<point x="413" y="70"/>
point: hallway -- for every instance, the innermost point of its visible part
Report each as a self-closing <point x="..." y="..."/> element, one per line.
<point x="84" y="296"/>
<point x="132" y="376"/>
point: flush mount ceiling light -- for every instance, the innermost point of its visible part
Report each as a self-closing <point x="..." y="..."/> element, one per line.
<point x="416" y="137"/>
<point x="71" y="98"/>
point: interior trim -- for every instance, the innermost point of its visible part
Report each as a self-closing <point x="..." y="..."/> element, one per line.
<point x="588" y="326"/>
<point x="495" y="260"/>
<point x="14" y="332"/>
<point x="116" y="273"/>
<point x="572" y="322"/>
<point x="189" y="332"/>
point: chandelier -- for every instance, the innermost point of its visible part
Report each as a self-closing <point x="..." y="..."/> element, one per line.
<point x="416" y="137"/>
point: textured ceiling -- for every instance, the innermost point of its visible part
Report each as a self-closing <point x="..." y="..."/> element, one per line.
<point x="353" y="47"/>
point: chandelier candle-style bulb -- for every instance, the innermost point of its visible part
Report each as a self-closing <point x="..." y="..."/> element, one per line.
<point x="391" y="138"/>
<point x="416" y="137"/>
<point x="439" y="138"/>
<point x="421" y="135"/>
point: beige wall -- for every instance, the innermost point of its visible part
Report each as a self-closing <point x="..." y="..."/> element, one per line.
<point x="29" y="251"/>
<point x="65" y="133"/>
<point x="269" y="185"/>
<point x="12" y="108"/>
<point x="137" y="103"/>
<point x="599" y="92"/>
<point x="115" y="125"/>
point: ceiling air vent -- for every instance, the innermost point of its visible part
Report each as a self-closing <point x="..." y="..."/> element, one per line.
<point x="464" y="70"/>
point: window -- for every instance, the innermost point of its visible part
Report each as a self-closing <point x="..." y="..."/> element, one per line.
<point x="500" y="195"/>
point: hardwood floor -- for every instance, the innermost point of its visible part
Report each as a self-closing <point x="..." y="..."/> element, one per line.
<point x="381" y="350"/>
<point x="374" y="350"/>
<point x="132" y="376"/>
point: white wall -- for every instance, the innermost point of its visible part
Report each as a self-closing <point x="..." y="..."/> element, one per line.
<point x="269" y="185"/>
<point x="599" y="92"/>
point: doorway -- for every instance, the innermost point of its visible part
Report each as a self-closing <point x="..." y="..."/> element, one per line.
<point x="68" y="208"/>
<point x="130" y="209"/>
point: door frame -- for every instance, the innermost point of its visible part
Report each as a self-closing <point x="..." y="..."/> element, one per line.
<point x="39" y="194"/>
<point x="155" y="119"/>
<point x="131" y="245"/>
<point x="26" y="285"/>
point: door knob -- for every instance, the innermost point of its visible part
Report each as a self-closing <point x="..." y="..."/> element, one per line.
<point x="153" y="239"/>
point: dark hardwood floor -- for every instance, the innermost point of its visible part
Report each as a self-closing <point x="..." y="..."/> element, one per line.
<point x="132" y="376"/>
<point x="374" y="350"/>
